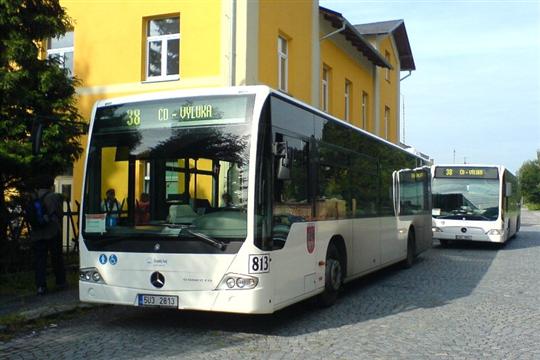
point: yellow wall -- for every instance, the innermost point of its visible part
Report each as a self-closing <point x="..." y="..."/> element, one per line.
<point x="345" y="67"/>
<point x="389" y="90"/>
<point x="110" y="54"/>
<point x="110" y="38"/>
<point x="110" y="50"/>
<point x="293" y="21"/>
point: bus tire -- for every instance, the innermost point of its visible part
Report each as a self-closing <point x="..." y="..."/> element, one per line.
<point x="411" y="250"/>
<point x="333" y="277"/>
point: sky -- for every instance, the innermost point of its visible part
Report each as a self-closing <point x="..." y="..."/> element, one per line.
<point x="475" y="94"/>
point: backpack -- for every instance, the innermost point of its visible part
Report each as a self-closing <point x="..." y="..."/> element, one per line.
<point x="36" y="212"/>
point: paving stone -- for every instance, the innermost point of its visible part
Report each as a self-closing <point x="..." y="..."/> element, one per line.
<point x="461" y="302"/>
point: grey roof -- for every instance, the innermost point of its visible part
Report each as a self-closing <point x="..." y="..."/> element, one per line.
<point x="357" y="40"/>
<point x="397" y="29"/>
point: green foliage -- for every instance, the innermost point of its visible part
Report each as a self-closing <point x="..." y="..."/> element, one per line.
<point x="529" y="178"/>
<point x="33" y="89"/>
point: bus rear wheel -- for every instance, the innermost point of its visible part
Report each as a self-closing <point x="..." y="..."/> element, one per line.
<point x="333" y="278"/>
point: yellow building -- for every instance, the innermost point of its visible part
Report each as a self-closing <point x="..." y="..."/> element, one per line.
<point x="311" y="53"/>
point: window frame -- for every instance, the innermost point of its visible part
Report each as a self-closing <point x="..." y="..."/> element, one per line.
<point x="386" y="121"/>
<point x="387" y="70"/>
<point x="365" y="99"/>
<point x="61" y="51"/>
<point x="325" y="85"/>
<point x="347" y="95"/>
<point x="283" y="58"/>
<point x="164" y="40"/>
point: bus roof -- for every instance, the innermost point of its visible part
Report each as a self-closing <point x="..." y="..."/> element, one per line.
<point x="260" y="90"/>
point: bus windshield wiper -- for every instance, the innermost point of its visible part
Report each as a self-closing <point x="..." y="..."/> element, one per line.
<point x="208" y="239"/>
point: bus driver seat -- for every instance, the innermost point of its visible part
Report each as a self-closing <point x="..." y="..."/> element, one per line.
<point x="181" y="214"/>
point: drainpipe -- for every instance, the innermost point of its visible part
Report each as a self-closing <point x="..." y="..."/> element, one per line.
<point x="343" y="26"/>
<point x="232" y="51"/>
<point x="406" y="76"/>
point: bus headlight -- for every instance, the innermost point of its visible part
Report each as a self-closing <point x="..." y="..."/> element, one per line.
<point x="238" y="282"/>
<point x="90" y="275"/>
<point x="230" y="283"/>
<point x="436" y="229"/>
<point x="494" y="232"/>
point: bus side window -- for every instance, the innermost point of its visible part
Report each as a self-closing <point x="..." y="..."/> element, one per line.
<point x="291" y="199"/>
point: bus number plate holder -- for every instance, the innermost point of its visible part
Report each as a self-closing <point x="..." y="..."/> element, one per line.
<point x="157" y="300"/>
<point x="463" y="237"/>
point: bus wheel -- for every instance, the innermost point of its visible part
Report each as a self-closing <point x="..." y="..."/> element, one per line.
<point x="411" y="250"/>
<point x="333" y="278"/>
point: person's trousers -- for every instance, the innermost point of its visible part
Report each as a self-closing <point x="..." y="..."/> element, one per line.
<point x="41" y="249"/>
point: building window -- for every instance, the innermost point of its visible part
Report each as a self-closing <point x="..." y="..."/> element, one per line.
<point x="387" y="70"/>
<point x="348" y="87"/>
<point x="61" y="49"/>
<point x="325" y="88"/>
<point x="283" y="64"/>
<point x="163" y="49"/>
<point x="365" y="100"/>
<point x="386" y="121"/>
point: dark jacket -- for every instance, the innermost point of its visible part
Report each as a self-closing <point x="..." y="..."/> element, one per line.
<point x="54" y="208"/>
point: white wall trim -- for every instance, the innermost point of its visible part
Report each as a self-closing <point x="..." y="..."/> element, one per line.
<point x="136" y="87"/>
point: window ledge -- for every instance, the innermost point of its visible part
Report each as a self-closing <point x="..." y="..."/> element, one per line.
<point x="161" y="79"/>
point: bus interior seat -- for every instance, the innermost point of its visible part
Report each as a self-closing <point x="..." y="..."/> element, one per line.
<point x="202" y="205"/>
<point x="181" y="214"/>
<point x="177" y="198"/>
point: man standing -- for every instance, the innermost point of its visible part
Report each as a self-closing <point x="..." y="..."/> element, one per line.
<point x="48" y="237"/>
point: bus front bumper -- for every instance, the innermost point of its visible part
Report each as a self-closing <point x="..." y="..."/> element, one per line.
<point x="253" y="301"/>
<point x="451" y="234"/>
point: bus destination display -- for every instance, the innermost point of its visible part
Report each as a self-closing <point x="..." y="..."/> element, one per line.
<point x="172" y="113"/>
<point x="466" y="172"/>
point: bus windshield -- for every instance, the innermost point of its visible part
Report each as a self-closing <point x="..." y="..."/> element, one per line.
<point x="169" y="169"/>
<point x="463" y="198"/>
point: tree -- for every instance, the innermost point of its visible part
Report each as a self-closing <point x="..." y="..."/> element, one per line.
<point x="33" y="89"/>
<point x="529" y="178"/>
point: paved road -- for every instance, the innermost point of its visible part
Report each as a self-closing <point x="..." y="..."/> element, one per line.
<point x="464" y="302"/>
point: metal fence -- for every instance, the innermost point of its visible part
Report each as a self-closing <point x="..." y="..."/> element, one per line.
<point x="17" y="250"/>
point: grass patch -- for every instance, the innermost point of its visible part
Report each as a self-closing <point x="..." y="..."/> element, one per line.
<point x="533" y="207"/>
<point x="23" y="283"/>
<point x="13" y="324"/>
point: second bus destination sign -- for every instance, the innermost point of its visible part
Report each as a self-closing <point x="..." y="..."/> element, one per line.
<point x="466" y="172"/>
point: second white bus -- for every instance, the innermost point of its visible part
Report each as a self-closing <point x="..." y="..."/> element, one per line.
<point x="475" y="203"/>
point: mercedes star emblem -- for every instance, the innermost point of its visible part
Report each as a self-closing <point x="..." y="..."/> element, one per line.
<point x="157" y="279"/>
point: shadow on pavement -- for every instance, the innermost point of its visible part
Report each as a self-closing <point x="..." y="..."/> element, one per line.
<point x="439" y="277"/>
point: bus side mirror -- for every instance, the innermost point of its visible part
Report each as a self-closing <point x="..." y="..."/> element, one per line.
<point x="281" y="152"/>
<point x="508" y="190"/>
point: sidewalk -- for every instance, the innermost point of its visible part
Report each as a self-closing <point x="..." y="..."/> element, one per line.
<point x="22" y="309"/>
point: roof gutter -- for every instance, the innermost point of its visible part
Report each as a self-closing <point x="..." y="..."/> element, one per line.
<point x="343" y="27"/>
<point x="353" y="35"/>
<point x="406" y="76"/>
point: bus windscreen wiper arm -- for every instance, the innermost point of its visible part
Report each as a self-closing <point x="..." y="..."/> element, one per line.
<point x="209" y="240"/>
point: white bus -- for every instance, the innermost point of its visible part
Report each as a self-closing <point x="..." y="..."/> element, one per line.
<point x="475" y="203"/>
<point x="240" y="200"/>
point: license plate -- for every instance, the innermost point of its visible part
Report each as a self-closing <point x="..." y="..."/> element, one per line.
<point x="463" y="237"/>
<point x="158" y="300"/>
